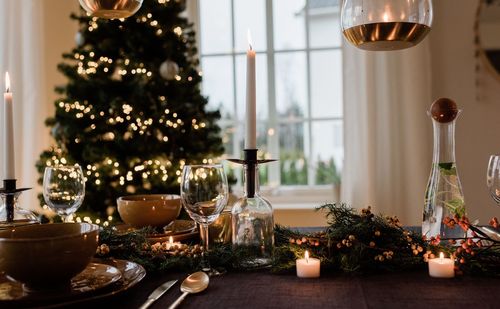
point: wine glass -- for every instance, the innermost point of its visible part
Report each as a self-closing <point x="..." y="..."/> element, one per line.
<point x="204" y="194"/>
<point x="63" y="189"/>
<point x="493" y="178"/>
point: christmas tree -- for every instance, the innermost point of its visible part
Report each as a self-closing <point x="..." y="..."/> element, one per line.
<point x="132" y="114"/>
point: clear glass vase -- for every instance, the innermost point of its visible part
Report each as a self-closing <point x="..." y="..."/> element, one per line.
<point x="253" y="223"/>
<point x="18" y="216"/>
<point x="444" y="196"/>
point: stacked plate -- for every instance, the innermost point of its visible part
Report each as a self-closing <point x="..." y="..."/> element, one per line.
<point x="100" y="279"/>
<point x="179" y="230"/>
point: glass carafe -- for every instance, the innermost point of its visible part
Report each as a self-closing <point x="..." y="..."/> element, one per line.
<point x="444" y="196"/>
<point x="252" y="222"/>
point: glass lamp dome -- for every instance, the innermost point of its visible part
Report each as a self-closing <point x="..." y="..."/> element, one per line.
<point x="111" y="9"/>
<point x="380" y="25"/>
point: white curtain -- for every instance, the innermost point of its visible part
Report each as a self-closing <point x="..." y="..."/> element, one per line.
<point x="22" y="55"/>
<point x="388" y="137"/>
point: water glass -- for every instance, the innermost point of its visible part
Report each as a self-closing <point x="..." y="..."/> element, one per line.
<point x="204" y="194"/>
<point x="63" y="189"/>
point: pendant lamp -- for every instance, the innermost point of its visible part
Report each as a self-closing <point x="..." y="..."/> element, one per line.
<point x="110" y="9"/>
<point x="381" y="25"/>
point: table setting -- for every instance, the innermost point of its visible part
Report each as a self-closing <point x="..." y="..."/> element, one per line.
<point x="198" y="244"/>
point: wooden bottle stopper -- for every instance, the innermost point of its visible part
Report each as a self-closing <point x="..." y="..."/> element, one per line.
<point x="444" y="110"/>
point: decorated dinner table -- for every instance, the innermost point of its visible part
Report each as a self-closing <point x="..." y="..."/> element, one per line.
<point x="144" y="253"/>
<point x="367" y="261"/>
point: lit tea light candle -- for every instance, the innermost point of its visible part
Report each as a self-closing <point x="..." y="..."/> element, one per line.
<point x="308" y="267"/>
<point x="172" y="245"/>
<point x="442" y="267"/>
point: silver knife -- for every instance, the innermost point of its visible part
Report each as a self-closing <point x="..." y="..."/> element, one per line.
<point x="158" y="293"/>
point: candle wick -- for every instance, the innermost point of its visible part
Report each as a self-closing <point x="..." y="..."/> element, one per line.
<point x="250" y="45"/>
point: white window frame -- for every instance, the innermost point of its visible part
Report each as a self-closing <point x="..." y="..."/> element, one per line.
<point x="286" y="196"/>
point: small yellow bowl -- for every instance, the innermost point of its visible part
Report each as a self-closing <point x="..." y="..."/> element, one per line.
<point x="47" y="256"/>
<point x="155" y="210"/>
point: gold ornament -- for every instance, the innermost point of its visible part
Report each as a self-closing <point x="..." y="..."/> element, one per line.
<point x="110" y="9"/>
<point x="169" y="70"/>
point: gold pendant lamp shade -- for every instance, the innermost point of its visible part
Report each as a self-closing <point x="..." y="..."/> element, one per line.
<point x="110" y="9"/>
<point x="381" y="25"/>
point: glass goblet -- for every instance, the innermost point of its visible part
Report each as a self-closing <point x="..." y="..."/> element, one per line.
<point x="63" y="189"/>
<point x="204" y="194"/>
<point x="493" y="178"/>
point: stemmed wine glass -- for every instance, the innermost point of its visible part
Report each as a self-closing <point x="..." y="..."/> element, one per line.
<point x="63" y="189"/>
<point x="204" y="194"/>
<point x="493" y="178"/>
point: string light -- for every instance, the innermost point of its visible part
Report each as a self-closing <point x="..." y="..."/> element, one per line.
<point x="178" y="30"/>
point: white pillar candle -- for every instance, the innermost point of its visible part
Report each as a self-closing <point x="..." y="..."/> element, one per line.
<point x="8" y="135"/>
<point x="442" y="267"/>
<point x="251" y="121"/>
<point x="308" y="267"/>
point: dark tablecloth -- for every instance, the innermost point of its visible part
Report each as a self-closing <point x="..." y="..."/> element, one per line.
<point x="265" y="290"/>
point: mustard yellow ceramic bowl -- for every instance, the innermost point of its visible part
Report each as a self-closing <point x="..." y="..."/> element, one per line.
<point x="47" y="256"/>
<point x="155" y="210"/>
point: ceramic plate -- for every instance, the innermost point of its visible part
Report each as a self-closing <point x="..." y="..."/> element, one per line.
<point x="183" y="231"/>
<point x="131" y="274"/>
<point x="180" y="227"/>
<point x="93" y="278"/>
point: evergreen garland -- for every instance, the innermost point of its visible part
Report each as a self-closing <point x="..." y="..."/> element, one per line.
<point x="356" y="243"/>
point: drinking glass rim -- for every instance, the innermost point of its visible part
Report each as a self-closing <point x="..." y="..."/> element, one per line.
<point x="218" y="165"/>
<point x="63" y="167"/>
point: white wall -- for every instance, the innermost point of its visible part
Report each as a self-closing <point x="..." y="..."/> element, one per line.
<point x="455" y="76"/>
<point x="58" y="36"/>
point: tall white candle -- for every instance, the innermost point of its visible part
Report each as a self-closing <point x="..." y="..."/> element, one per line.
<point x="251" y="122"/>
<point x="8" y="135"/>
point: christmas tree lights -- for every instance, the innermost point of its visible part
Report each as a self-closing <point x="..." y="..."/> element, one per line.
<point x="131" y="113"/>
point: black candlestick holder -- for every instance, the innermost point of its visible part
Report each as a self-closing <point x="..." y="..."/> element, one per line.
<point x="250" y="160"/>
<point x="14" y="216"/>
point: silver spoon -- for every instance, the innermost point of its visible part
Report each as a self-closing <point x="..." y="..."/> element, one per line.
<point x="194" y="283"/>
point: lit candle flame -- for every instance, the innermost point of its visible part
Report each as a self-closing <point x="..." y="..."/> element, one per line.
<point x="170" y="240"/>
<point x="386" y="17"/>
<point x="249" y="38"/>
<point x="306" y="255"/>
<point x="7" y="82"/>
<point x="441" y="256"/>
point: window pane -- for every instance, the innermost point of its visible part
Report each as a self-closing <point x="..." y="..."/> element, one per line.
<point x="326" y="83"/>
<point x="250" y="15"/>
<point x="228" y="135"/>
<point x="262" y="137"/>
<point x="241" y="81"/>
<point x="289" y="24"/>
<point x="218" y="84"/>
<point x="215" y="26"/>
<point x="328" y="151"/>
<point x="291" y="85"/>
<point x="293" y="162"/>
<point x="324" y="24"/>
